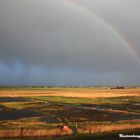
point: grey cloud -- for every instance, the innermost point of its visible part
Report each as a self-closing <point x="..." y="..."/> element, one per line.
<point x="52" y="42"/>
<point x="123" y="15"/>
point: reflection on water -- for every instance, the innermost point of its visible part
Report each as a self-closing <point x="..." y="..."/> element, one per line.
<point x="49" y="119"/>
<point x="12" y="114"/>
<point x="13" y="99"/>
<point x="18" y="114"/>
<point x="1" y="107"/>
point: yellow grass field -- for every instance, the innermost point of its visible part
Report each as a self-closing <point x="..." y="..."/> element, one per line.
<point x="71" y="92"/>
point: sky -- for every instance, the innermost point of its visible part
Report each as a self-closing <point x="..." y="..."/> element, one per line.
<point x="69" y="42"/>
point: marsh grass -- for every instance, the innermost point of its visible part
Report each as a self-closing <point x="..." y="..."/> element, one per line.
<point x="102" y="128"/>
<point x="99" y="101"/>
<point x="94" y="129"/>
<point x="103" y="136"/>
<point x="60" y="97"/>
<point x="21" y="105"/>
<point x="55" y="132"/>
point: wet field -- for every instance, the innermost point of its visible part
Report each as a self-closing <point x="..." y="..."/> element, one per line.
<point x="49" y="111"/>
<point x="13" y="99"/>
<point x="41" y="113"/>
<point x="14" y="114"/>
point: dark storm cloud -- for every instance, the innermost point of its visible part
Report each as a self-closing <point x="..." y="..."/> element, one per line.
<point x="53" y="42"/>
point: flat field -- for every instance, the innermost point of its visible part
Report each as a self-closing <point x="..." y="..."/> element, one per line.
<point x="69" y="92"/>
<point x="43" y="111"/>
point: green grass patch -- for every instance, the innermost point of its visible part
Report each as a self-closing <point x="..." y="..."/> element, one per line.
<point x="20" y="105"/>
<point x="99" y="101"/>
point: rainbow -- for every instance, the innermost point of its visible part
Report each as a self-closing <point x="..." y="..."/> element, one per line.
<point x="108" y="25"/>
